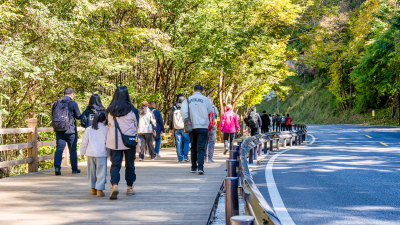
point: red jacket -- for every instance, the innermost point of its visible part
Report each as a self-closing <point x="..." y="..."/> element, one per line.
<point x="229" y="122"/>
<point x="288" y="120"/>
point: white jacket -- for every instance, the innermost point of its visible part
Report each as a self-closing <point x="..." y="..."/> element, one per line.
<point x="147" y="122"/>
<point x="200" y="106"/>
<point x="94" y="142"/>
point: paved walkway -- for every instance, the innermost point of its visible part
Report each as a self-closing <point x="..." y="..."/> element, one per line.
<point x="166" y="193"/>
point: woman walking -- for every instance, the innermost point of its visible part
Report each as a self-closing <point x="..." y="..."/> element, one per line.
<point x="94" y="147"/>
<point x="147" y="128"/>
<point x="288" y="122"/>
<point x="121" y="119"/>
<point x="229" y="126"/>
<point x="93" y="108"/>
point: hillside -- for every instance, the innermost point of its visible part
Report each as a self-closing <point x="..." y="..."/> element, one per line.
<point x="313" y="103"/>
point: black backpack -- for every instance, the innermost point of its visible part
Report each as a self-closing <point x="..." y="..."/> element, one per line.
<point x="88" y="115"/>
<point x="60" y="116"/>
<point x="252" y="120"/>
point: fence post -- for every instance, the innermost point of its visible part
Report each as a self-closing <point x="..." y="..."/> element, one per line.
<point x="251" y="157"/>
<point x="242" y="220"/>
<point x="231" y="167"/>
<point x="255" y="149"/>
<point x="265" y="148"/>
<point x="277" y="144"/>
<point x="231" y="198"/>
<point x="271" y="145"/>
<point x="284" y="143"/>
<point x="33" y="151"/>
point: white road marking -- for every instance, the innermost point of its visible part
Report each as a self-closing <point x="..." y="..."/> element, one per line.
<point x="277" y="203"/>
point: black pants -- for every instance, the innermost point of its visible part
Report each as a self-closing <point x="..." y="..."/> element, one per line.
<point x="116" y="162"/>
<point x="231" y="138"/>
<point x="264" y="130"/>
<point x="71" y="140"/>
<point x="146" y="140"/>
<point x="254" y="131"/>
<point x="198" y="139"/>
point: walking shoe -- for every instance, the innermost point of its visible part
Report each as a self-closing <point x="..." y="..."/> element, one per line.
<point x="226" y="150"/>
<point x="114" y="192"/>
<point x="76" y="171"/>
<point x="180" y="161"/>
<point x="187" y="160"/>
<point x="201" y="172"/>
<point x="211" y="161"/>
<point x="93" y="191"/>
<point x="193" y="170"/>
<point x="140" y="159"/>
<point x="158" y="156"/>
<point x="130" y="191"/>
<point x="100" y="193"/>
<point x="58" y="171"/>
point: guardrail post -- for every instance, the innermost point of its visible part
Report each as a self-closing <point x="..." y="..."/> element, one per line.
<point x="231" y="198"/>
<point x="265" y="148"/>
<point x="251" y="157"/>
<point x="231" y="167"/>
<point x="233" y="155"/>
<point x="255" y="149"/>
<point x="271" y="145"/>
<point x="259" y="149"/>
<point x="242" y="220"/>
<point x="284" y="143"/>
<point x="277" y="144"/>
<point x="33" y="152"/>
<point x="291" y="141"/>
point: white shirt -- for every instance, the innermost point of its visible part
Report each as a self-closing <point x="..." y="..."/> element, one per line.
<point x="94" y="142"/>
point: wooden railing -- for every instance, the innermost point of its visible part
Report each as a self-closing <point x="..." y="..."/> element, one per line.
<point x="32" y="159"/>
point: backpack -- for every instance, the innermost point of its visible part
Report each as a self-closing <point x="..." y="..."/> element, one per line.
<point x="252" y="120"/>
<point x="178" y="120"/>
<point x="60" y="116"/>
<point x="211" y="120"/>
<point x="88" y="116"/>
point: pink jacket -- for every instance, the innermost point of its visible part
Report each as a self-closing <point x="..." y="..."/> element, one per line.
<point x="229" y="122"/>
<point x="128" y="126"/>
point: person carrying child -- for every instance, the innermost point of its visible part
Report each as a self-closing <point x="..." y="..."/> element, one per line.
<point x="94" y="147"/>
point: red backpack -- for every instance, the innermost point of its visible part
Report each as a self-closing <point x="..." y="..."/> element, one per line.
<point x="211" y="120"/>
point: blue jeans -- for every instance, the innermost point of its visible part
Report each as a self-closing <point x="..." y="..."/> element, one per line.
<point x="71" y="140"/>
<point x="182" y="140"/>
<point x="97" y="172"/>
<point x="157" y="138"/>
<point x="198" y="138"/>
<point x="116" y="161"/>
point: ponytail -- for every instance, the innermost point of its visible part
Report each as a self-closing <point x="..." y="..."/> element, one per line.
<point x="98" y="117"/>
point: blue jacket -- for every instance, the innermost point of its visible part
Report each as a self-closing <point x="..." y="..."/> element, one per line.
<point x="159" y="119"/>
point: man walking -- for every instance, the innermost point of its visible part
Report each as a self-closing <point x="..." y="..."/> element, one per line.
<point x="176" y="123"/>
<point x="197" y="108"/>
<point x="160" y="126"/>
<point x="64" y="113"/>
<point x="265" y="122"/>
<point x="254" y="121"/>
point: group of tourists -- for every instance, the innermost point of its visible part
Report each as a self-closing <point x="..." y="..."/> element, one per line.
<point x="122" y="130"/>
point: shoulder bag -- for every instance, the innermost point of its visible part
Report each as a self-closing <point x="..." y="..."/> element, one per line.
<point x="129" y="141"/>
<point x="188" y="121"/>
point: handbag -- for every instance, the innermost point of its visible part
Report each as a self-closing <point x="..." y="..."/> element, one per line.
<point x="128" y="140"/>
<point x="187" y="121"/>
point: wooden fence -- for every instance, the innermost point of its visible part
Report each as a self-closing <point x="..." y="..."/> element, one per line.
<point x="32" y="159"/>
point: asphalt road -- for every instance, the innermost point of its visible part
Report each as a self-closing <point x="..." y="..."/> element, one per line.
<point x="350" y="174"/>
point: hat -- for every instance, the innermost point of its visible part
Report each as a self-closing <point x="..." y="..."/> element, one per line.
<point x="229" y="106"/>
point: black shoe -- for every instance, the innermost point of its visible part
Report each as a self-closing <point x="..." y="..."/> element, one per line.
<point x="76" y="171"/>
<point x="201" y="172"/>
<point x="226" y="150"/>
<point x="58" y="171"/>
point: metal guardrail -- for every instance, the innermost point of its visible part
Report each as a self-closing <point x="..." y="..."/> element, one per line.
<point x="256" y="205"/>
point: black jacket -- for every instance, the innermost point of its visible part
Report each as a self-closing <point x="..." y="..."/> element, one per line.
<point x="74" y="114"/>
<point x="265" y="121"/>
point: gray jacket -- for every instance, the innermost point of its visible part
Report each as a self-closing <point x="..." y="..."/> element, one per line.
<point x="200" y="107"/>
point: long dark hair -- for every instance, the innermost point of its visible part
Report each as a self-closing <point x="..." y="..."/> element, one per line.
<point x="98" y="118"/>
<point x="121" y="102"/>
<point x="95" y="100"/>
